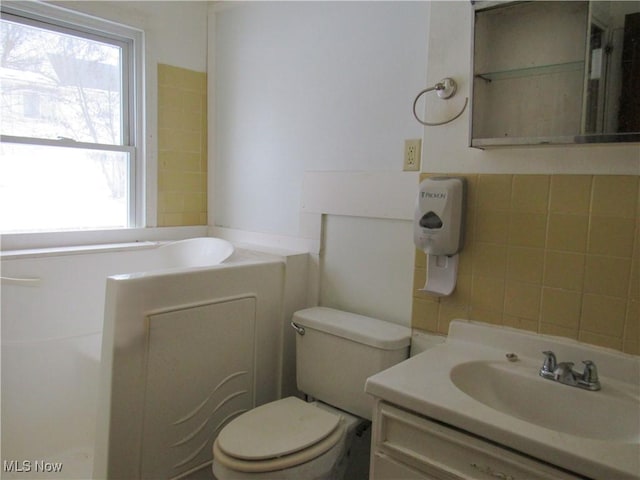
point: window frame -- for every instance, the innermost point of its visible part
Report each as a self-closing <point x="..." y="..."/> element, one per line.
<point x="131" y="41"/>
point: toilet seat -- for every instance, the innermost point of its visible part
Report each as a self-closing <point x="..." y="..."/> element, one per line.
<point x="276" y="436"/>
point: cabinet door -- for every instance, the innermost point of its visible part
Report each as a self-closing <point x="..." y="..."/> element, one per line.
<point x="528" y="83"/>
<point x="199" y="372"/>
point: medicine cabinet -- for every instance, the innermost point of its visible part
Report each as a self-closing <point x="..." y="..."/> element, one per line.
<point x="556" y="72"/>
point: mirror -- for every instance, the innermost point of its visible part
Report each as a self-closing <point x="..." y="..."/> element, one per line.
<point x="613" y="69"/>
<point x="556" y="72"/>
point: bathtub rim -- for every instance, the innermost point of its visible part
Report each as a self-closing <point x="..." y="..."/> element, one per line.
<point x="42" y="242"/>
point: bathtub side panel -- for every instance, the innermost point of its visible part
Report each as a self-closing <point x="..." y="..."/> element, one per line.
<point x="126" y="349"/>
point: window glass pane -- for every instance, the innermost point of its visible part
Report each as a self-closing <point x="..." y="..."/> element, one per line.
<point x="59" y="85"/>
<point x="54" y="188"/>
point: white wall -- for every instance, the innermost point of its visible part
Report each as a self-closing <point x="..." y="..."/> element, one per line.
<point x="175" y="32"/>
<point x="450" y="55"/>
<point x="306" y="88"/>
<point x="377" y="254"/>
<point x="301" y="86"/>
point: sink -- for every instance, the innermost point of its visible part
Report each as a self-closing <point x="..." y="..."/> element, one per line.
<point x="484" y="380"/>
<point x="515" y="388"/>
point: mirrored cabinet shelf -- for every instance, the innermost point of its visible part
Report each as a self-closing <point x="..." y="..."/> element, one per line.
<point x="531" y="71"/>
<point x="555" y="72"/>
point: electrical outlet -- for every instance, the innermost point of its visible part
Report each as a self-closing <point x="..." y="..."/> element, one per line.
<point x="412" y="155"/>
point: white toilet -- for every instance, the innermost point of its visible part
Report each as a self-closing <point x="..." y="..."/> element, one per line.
<point x="291" y="439"/>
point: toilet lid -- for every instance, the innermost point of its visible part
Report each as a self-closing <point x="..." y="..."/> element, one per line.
<point x="276" y="429"/>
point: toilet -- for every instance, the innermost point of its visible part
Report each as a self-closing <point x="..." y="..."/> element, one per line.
<point x="290" y="438"/>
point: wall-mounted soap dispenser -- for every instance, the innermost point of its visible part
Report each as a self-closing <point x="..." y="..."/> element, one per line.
<point x="439" y="230"/>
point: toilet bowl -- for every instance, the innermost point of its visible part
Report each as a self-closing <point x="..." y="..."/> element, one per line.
<point x="292" y="439"/>
<point x="296" y="440"/>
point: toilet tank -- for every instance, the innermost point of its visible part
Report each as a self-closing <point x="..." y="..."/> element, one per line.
<point x="339" y="351"/>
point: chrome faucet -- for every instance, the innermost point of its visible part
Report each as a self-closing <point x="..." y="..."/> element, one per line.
<point x="564" y="373"/>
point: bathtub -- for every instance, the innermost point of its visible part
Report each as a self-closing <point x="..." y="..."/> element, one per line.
<point x="53" y="311"/>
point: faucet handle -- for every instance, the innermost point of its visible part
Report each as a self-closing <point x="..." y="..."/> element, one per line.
<point x="590" y="373"/>
<point x="550" y="362"/>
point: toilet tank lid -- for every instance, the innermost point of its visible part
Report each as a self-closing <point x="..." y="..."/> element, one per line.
<point x="358" y="328"/>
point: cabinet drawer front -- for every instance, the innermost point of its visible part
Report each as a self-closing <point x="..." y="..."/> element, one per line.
<point x="386" y="468"/>
<point x="428" y="445"/>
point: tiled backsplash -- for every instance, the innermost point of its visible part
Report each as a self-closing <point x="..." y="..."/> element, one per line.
<point x="555" y="254"/>
<point x="182" y="147"/>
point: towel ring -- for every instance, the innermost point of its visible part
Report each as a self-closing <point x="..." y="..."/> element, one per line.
<point x="445" y="88"/>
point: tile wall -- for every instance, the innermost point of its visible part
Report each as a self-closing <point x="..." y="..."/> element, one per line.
<point x="554" y="254"/>
<point x="182" y="147"/>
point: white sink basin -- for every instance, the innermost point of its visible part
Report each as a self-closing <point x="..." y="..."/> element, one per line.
<point x="469" y="383"/>
<point x="517" y="390"/>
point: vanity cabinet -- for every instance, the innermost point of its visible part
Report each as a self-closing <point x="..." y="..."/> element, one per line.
<point x="408" y="446"/>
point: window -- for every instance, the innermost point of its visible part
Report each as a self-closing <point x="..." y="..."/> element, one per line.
<point x="69" y="96"/>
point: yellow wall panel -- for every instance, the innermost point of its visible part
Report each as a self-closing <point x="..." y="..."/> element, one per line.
<point x="554" y="254"/>
<point x="182" y="147"/>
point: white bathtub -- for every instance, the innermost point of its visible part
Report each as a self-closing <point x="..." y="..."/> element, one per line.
<point x="53" y="305"/>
